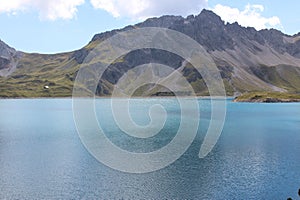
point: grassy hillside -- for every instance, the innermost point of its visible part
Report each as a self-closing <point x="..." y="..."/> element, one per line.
<point x="58" y="72"/>
<point x="35" y="71"/>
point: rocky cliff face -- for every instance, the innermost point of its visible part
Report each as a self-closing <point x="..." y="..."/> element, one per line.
<point x="248" y="60"/>
<point x="8" y="59"/>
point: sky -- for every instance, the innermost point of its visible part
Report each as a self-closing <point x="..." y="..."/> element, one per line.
<point x="52" y="26"/>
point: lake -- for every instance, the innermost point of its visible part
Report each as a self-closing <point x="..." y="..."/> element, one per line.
<point x="42" y="157"/>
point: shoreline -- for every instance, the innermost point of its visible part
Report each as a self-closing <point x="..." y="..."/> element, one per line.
<point x="252" y="97"/>
<point x="108" y="97"/>
<point x="270" y="101"/>
<point x="268" y="97"/>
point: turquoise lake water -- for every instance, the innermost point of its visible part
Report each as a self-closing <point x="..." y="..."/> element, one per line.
<point x="42" y="157"/>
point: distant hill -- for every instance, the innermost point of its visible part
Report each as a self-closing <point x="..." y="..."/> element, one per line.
<point x="248" y="60"/>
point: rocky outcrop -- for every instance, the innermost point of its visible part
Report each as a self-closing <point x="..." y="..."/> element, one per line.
<point x="268" y="98"/>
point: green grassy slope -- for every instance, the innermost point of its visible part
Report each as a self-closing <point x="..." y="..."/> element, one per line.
<point x="35" y="71"/>
<point x="58" y="71"/>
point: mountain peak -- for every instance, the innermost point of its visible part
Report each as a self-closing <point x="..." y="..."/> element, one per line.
<point x="206" y="12"/>
<point x="210" y="16"/>
<point x="170" y="21"/>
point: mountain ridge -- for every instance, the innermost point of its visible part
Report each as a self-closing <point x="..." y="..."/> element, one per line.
<point x="248" y="60"/>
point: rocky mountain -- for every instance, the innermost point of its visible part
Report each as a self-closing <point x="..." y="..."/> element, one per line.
<point x="248" y="60"/>
<point x="8" y="59"/>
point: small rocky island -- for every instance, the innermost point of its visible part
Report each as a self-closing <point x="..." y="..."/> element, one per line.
<point x="268" y="97"/>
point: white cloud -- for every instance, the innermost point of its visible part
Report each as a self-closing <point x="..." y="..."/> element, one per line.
<point x="141" y="9"/>
<point x="48" y="9"/>
<point x="249" y="17"/>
